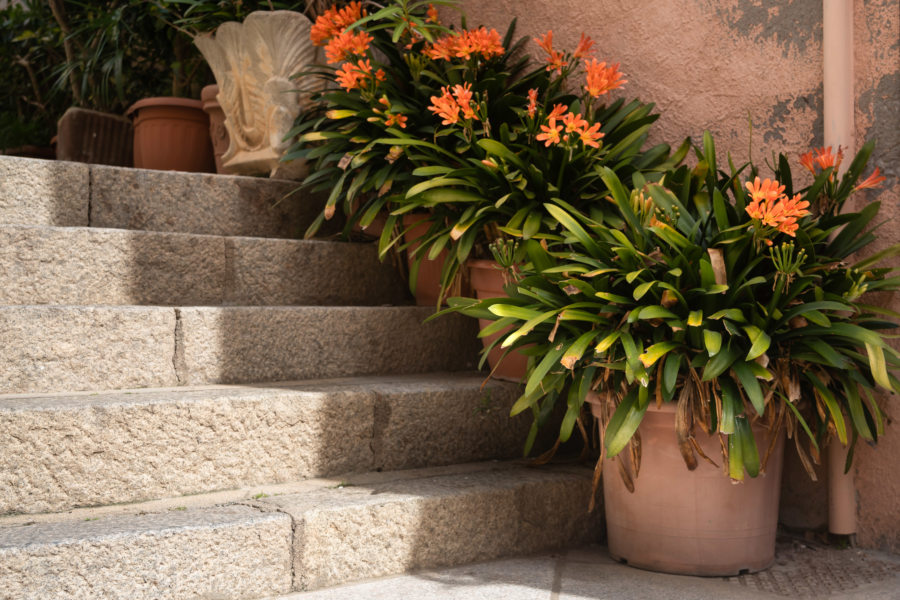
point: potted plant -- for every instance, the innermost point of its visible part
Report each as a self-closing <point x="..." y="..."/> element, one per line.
<point x="725" y="312"/>
<point x="437" y="128"/>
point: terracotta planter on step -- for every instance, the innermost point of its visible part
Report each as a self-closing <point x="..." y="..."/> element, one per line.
<point x="486" y="279"/>
<point x="172" y="134"/>
<point x="218" y="133"/>
<point x="691" y="522"/>
<point x="428" y="281"/>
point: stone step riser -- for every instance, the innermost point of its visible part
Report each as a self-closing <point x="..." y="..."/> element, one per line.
<point x="60" y="348"/>
<point x="84" y="266"/>
<point x="63" y="452"/>
<point x="322" y="537"/>
<point x="40" y="192"/>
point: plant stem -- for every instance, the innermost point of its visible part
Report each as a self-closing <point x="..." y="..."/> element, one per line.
<point x="58" y="11"/>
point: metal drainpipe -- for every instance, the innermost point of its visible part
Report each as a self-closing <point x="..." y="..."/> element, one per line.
<point x="837" y="43"/>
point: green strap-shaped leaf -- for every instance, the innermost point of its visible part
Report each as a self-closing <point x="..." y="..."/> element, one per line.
<point x="731" y="405"/>
<point x="759" y="341"/>
<point x="719" y="363"/>
<point x="655" y="352"/>
<point x="713" y="341"/>
<point x="749" y="451"/>
<point x="695" y="318"/>
<point x="625" y="421"/>
<point x="576" y="350"/>
<point x="831" y="404"/>
<point x="548" y="362"/>
<point x="751" y="386"/>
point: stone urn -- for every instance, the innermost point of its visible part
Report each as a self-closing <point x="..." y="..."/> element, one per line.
<point x="254" y="64"/>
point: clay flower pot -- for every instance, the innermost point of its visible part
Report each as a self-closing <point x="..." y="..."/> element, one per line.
<point x="428" y="280"/>
<point x="94" y="137"/>
<point x="486" y="279"/>
<point x="171" y="134"/>
<point x="690" y="522"/>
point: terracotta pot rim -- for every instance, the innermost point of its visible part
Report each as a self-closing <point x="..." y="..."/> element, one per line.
<point x="164" y="101"/>
<point x="484" y="263"/>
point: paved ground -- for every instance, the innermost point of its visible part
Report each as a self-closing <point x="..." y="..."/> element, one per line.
<point x="802" y="571"/>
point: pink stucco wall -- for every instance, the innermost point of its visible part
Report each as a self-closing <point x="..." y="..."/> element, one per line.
<point x="719" y="64"/>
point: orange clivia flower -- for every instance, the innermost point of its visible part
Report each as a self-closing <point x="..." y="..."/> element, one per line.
<point x="557" y="112"/>
<point x="445" y="106"/>
<point x="551" y="133"/>
<point x="396" y="119"/>
<point x="545" y="42"/>
<point x="333" y="21"/>
<point x="766" y="192"/>
<point x="432" y="14"/>
<point x="872" y="181"/>
<point x="351" y="76"/>
<point x="463" y="95"/>
<point x="486" y="42"/>
<point x="772" y="208"/>
<point x="584" y="47"/>
<point x="807" y="161"/>
<point x="601" y="79"/>
<point x="825" y="158"/>
<point x="591" y="136"/>
<point x="573" y="122"/>
<point x="532" y="102"/>
<point x="346" y="45"/>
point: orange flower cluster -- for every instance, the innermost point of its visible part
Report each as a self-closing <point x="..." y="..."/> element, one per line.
<point x="449" y="104"/>
<point x="432" y="15"/>
<point x="556" y="60"/>
<point x="601" y="79"/>
<point x="486" y="42"/>
<point x="346" y="45"/>
<point x="572" y="125"/>
<point x="351" y="77"/>
<point x="823" y="158"/>
<point x="333" y="21"/>
<point x="773" y="208"/>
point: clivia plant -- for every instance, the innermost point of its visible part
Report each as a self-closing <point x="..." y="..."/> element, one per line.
<point x="735" y="298"/>
<point x="445" y="122"/>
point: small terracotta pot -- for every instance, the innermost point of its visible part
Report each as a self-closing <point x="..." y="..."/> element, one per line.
<point x="486" y="279"/>
<point x="428" y="280"/>
<point x="172" y="134"/>
<point x="218" y="133"/>
<point x="691" y="522"/>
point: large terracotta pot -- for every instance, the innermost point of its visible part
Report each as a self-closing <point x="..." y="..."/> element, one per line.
<point x="218" y="133"/>
<point x="172" y="134"/>
<point x="691" y="522"/>
<point x="486" y="279"/>
<point x="428" y="281"/>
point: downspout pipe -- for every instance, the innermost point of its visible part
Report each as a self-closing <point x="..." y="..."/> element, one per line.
<point x="837" y="43"/>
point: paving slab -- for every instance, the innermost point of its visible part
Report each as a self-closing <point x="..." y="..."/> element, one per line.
<point x="588" y="573"/>
<point x="43" y="192"/>
<point x="97" y="266"/>
<point x="65" y="451"/>
<point x="226" y="553"/>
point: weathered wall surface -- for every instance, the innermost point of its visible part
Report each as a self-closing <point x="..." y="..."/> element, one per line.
<point x="719" y="64"/>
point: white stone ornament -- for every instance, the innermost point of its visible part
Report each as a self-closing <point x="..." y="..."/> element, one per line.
<point x="254" y="63"/>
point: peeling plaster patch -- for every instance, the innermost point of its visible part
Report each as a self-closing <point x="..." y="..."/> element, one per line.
<point x="882" y="107"/>
<point x="793" y="23"/>
<point x="781" y="124"/>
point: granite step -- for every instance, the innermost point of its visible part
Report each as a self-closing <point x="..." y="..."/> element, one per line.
<point x="45" y="192"/>
<point x="98" y="266"/>
<point x="77" y="348"/>
<point x="64" y="451"/>
<point x="321" y="534"/>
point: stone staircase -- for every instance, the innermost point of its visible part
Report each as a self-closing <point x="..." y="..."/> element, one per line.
<point x="195" y="404"/>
